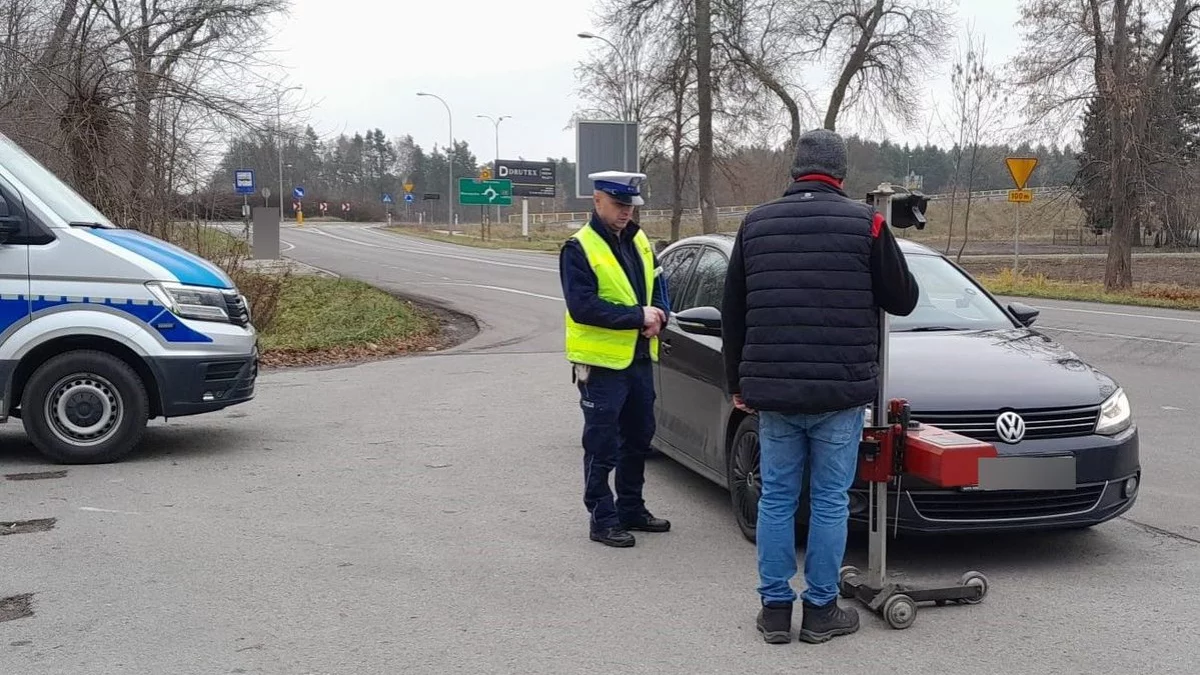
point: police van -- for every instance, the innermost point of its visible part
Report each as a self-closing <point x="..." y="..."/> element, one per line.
<point x="104" y="328"/>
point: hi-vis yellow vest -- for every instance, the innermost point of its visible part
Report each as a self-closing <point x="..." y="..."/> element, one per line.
<point x="607" y="347"/>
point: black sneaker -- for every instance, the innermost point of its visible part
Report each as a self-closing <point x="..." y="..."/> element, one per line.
<point x="821" y="624"/>
<point x="614" y="536"/>
<point x="648" y="523"/>
<point x="775" y="622"/>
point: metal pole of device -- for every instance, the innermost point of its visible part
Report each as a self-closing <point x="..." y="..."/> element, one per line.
<point x="877" y="545"/>
<point x="449" y="160"/>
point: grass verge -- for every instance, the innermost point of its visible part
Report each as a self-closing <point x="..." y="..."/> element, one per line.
<point x="1169" y="296"/>
<point x="321" y="320"/>
<point x="308" y="319"/>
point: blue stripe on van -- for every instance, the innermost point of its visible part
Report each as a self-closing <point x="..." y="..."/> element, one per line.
<point x="187" y="267"/>
<point x="153" y="314"/>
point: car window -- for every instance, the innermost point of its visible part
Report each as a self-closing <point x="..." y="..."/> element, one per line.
<point x="948" y="299"/>
<point x="710" y="280"/>
<point x="675" y="269"/>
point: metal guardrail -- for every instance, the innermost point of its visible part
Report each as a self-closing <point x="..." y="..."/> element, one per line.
<point x="733" y="211"/>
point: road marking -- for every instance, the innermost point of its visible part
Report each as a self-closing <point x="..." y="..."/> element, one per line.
<point x="433" y="253"/>
<point x="1118" y="336"/>
<point x="493" y="288"/>
<point x="93" y="509"/>
<point x="1125" y="314"/>
<point x="289" y="246"/>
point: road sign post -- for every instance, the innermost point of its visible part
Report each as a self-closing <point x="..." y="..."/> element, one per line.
<point x="1020" y="168"/>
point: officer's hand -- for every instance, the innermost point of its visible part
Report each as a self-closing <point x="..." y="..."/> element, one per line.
<point x="653" y="317"/>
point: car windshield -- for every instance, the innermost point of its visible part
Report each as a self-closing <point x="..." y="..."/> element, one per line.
<point x="39" y="180"/>
<point x="948" y="300"/>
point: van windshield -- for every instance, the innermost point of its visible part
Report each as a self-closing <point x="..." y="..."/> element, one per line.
<point x="56" y="194"/>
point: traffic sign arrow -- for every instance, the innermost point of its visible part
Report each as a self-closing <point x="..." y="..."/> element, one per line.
<point x="491" y="194"/>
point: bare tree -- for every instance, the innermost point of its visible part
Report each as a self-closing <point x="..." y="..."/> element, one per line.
<point x="1086" y="50"/>
<point x="975" y="115"/>
<point x="883" y="50"/>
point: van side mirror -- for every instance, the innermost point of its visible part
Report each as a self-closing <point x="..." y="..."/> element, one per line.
<point x="10" y="225"/>
<point x="1024" y="313"/>
<point x="700" y="321"/>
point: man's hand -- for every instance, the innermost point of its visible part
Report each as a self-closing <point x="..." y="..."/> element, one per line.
<point x="741" y="405"/>
<point x="653" y="318"/>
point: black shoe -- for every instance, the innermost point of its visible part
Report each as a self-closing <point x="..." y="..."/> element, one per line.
<point x="648" y="523"/>
<point x="775" y="622"/>
<point x="821" y="624"/>
<point x="614" y="536"/>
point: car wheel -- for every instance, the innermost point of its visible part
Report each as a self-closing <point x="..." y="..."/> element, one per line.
<point x="745" y="483"/>
<point x="745" y="478"/>
<point x="85" y="407"/>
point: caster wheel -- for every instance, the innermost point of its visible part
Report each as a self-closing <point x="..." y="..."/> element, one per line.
<point x="978" y="580"/>
<point x="900" y="611"/>
<point x="846" y="573"/>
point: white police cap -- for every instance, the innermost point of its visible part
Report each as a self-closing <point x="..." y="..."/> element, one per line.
<point x="623" y="186"/>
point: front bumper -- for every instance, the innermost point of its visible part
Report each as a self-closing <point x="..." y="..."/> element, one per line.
<point x="1108" y="479"/>
<point x="195" y="385"/>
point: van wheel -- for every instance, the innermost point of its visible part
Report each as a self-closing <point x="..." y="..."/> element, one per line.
<point x="745" y="483"/>
<point x="85" y="407"/>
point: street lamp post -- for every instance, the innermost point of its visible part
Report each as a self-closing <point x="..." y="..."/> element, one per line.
<point x="279" y="138"/>
<point x="626" y="95"/>
<point x="449" y="161"/>
<point x="496" y="166"/>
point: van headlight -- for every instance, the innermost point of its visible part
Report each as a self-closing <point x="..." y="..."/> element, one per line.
<point x="1115" y="414"/>
<point x="191" y="302"/>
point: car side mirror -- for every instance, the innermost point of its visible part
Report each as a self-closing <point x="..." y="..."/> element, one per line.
<point x="1024" y="313"/>
<point x="10" y="225"/>
<point x="700" y="321"/>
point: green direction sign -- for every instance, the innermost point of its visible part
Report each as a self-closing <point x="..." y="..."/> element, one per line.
<point x="484" y="192"/>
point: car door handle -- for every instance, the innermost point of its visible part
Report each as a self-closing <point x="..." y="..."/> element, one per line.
<point x="665" y="345"/>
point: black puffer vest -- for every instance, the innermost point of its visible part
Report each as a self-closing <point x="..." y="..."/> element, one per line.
<point x="811" y="320"/>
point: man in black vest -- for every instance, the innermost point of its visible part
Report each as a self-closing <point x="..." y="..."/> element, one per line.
<point x="800" y="321"/>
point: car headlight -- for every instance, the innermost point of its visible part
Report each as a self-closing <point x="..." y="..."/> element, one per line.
<point x="191" y="302"/>
<point x="1115" y="414"/>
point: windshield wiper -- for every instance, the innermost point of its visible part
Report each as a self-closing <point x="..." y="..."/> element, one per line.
<point x="93" y="226"/>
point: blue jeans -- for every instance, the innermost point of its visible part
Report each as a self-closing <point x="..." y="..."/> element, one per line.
<point x="829" y="442"/>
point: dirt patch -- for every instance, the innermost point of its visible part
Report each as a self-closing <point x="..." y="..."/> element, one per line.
<point x="1167" y="271"/>
<point x="27" y="526"/>
<point x="36" y="475"/>
<point x="16" y="607"/>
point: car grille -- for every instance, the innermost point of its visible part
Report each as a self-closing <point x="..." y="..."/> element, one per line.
<point x="1005" y="504"/>
<point x="235" y="306"/>
<point x="1039" y="423"/>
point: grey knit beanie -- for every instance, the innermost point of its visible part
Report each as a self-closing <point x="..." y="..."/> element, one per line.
<point x="820" y="151"/>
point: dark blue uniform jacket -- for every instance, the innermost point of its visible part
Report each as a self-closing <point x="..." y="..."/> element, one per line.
<point x="580" y="287"/>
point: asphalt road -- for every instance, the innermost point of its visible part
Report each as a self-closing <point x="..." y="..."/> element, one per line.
<point x="423" y="515"/>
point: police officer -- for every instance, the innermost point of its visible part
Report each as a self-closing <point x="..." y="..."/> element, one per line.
<point x="616" y="307"/>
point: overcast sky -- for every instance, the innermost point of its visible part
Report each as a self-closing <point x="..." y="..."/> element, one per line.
<point x="361" y="63"/>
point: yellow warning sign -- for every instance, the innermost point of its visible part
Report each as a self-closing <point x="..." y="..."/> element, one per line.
<point x="1020" y="168"/>
<point x="1020" y="196"/>
<point x="485" y="173"/>
<point x="408" y="187"/>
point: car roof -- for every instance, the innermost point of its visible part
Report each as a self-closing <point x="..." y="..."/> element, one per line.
<point x="724" y="241"/>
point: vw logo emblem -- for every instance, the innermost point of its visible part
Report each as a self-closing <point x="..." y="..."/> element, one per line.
<point x="1010" y="427"/>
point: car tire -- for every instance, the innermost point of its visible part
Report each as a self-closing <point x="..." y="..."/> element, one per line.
<point x="745" y="483"/>
<point x="85" y="407"/>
